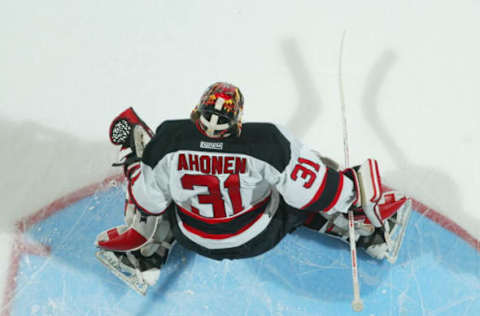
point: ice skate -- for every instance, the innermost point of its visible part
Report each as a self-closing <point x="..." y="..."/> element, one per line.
<point x="137" y="271"/>
<point x="385" y="242"/>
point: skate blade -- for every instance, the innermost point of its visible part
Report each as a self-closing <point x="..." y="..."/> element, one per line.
<point x="128" y="275"/>
<point x="398" y="233"/>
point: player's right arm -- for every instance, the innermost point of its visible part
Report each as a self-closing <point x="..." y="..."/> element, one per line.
<point x="306" y="183"/>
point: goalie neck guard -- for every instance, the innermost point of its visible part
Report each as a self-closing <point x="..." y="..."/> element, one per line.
<point x="219" y="112"/>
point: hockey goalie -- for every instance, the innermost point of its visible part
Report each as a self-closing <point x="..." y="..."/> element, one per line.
<point x="228" y="190"/>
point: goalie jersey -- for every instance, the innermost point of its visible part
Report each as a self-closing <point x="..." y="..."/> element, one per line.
<point x="224" y="192"/>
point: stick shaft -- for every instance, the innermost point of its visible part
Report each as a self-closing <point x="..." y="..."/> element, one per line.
<point x="343" y="106"/>
<point x="357" y="303"/>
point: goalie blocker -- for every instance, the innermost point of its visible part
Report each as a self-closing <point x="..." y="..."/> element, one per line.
<point x="380" y="217"/>
<point x="377" y="206"/>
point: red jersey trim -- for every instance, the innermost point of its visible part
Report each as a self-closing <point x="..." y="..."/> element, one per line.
<point x="220" y="236"/>
<point x="224" y="219"/>
<point x="319" y="192"/>
<point x="337" y="195"/>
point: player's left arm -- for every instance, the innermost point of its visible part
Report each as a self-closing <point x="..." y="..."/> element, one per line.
<point x="147" y="186"/>
<point x="146" y="197"/>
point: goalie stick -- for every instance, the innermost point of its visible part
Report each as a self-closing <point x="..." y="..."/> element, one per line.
<point x="394" y="238"/>
<point x="357" y="303"/>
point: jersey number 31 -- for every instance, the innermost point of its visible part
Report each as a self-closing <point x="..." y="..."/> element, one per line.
<point x="214" y="196"/>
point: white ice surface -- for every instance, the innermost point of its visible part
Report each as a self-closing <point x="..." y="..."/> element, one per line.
<point x="411" y="73"/>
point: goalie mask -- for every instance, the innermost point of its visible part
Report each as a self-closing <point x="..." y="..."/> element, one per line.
<point x="220" y="111"/>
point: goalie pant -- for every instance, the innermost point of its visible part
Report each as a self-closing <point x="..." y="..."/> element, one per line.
<point x="235" y="197"/>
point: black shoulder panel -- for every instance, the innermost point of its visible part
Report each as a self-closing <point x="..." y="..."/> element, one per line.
<point x="263" y="141"/>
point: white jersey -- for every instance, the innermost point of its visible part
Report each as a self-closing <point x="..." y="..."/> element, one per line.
<point x="226" y="191"/>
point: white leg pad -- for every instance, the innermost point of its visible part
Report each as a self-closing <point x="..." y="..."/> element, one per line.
<point x="370" y="190"/>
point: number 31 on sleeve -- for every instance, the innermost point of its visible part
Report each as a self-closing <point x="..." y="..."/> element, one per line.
<point x="301" y="169"/>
